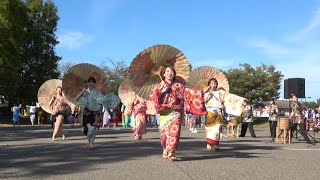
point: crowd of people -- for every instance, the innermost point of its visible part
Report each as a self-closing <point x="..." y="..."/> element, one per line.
<point x="174" y="109"/>
<point x="34" y="112"/>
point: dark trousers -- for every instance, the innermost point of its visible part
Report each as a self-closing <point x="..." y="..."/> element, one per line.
<point x="88" y="118"/>
<point x="273" y="128"/>
<point x="244" y="127"/>
<point x="302" y="130"/>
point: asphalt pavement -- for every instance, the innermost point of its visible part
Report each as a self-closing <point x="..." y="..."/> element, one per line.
<point x="27" y="152"/>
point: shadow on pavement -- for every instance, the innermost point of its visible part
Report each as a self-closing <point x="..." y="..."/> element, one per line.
<point x="37" y="156"/>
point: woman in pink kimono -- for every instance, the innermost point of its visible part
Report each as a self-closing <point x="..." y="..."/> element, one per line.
<point x="169" y="97"/>
<point x="139" y="113"/>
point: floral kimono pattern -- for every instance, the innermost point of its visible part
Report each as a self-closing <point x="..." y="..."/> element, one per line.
<point x="214" y="118"/>
<point x="139" y="112"/>
<point x="169" y="103"/>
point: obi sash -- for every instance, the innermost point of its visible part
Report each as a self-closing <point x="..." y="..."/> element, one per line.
<point x="167" y="117"/>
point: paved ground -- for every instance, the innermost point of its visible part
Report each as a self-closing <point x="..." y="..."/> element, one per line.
<point x="27" y="152"/>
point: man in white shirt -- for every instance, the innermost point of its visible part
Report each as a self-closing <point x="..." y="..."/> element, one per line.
<point x="92" y="101"/>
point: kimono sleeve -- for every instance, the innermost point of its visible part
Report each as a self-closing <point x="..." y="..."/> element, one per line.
<point x="83" y="100"/>
<point x="112" y="100"/>
<point x="109" y="100"/>
<point x="155" y="97"/>
<point x="194" y="101"/>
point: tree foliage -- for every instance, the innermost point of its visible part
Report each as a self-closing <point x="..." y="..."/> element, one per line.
<point x="39" y="60"/>
<point x="256" y="84"/>
<point x="312" y="104"/>
<point x="13" y="18"/>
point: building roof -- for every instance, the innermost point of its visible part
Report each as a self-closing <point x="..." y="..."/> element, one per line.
<point x="282" y="104"/>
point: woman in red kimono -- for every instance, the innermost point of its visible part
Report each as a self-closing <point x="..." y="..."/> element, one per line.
<point x="169" y="97"/>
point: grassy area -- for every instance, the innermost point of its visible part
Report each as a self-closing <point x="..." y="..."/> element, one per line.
<point x="261" y="122"/>
<point x="262" y="125"/>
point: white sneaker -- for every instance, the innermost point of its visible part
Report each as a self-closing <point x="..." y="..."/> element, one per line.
<point x="194" y="130"/>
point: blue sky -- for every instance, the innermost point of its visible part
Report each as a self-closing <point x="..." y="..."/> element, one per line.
<point x="222" y="34"/>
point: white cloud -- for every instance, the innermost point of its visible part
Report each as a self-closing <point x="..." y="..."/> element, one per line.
<point x="314" y="22"/>
<point x="270" y="48"/>
<point x="296" y="55"/>
<point x="308" y="32"/>
<point x="74" y="40"/>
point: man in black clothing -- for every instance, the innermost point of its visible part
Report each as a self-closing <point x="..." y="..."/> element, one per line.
<point x="247" y="120"/>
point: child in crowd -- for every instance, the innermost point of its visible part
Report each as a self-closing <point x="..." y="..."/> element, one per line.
<point x="106" y="118"/>
<point x="115" y="118"/>
<point x="15" y="116"/>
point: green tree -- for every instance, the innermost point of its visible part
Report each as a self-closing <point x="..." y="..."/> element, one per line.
<point x="312" y="104"/>
<point x="39" y="60"/>
<point x="256" y="84"/>
<point x="13" y="18"/>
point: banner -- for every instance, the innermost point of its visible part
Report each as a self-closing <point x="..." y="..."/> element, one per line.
<point x="233" y="104"/>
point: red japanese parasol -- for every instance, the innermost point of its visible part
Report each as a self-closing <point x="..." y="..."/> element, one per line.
<point x="200" y="76"/>
<point x="144" y="71"/>
<point x="126" y="94"/>
<point x="76" y="79"/>
<point x="46" y="91"/>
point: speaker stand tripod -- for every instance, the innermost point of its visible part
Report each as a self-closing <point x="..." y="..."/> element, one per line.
<point x="312" y="138"/>
<point x="314" y="141"/>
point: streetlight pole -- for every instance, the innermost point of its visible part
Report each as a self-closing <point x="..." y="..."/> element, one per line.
<point x="305" y="99"/>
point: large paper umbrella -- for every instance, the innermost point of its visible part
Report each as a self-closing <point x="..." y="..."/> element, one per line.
<point x="144" y="71"/>
<point x="46" y="91"/>
<point x="126" y="94"/>
<point x="200" y="76"/>
<point x="76" y="79"/>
